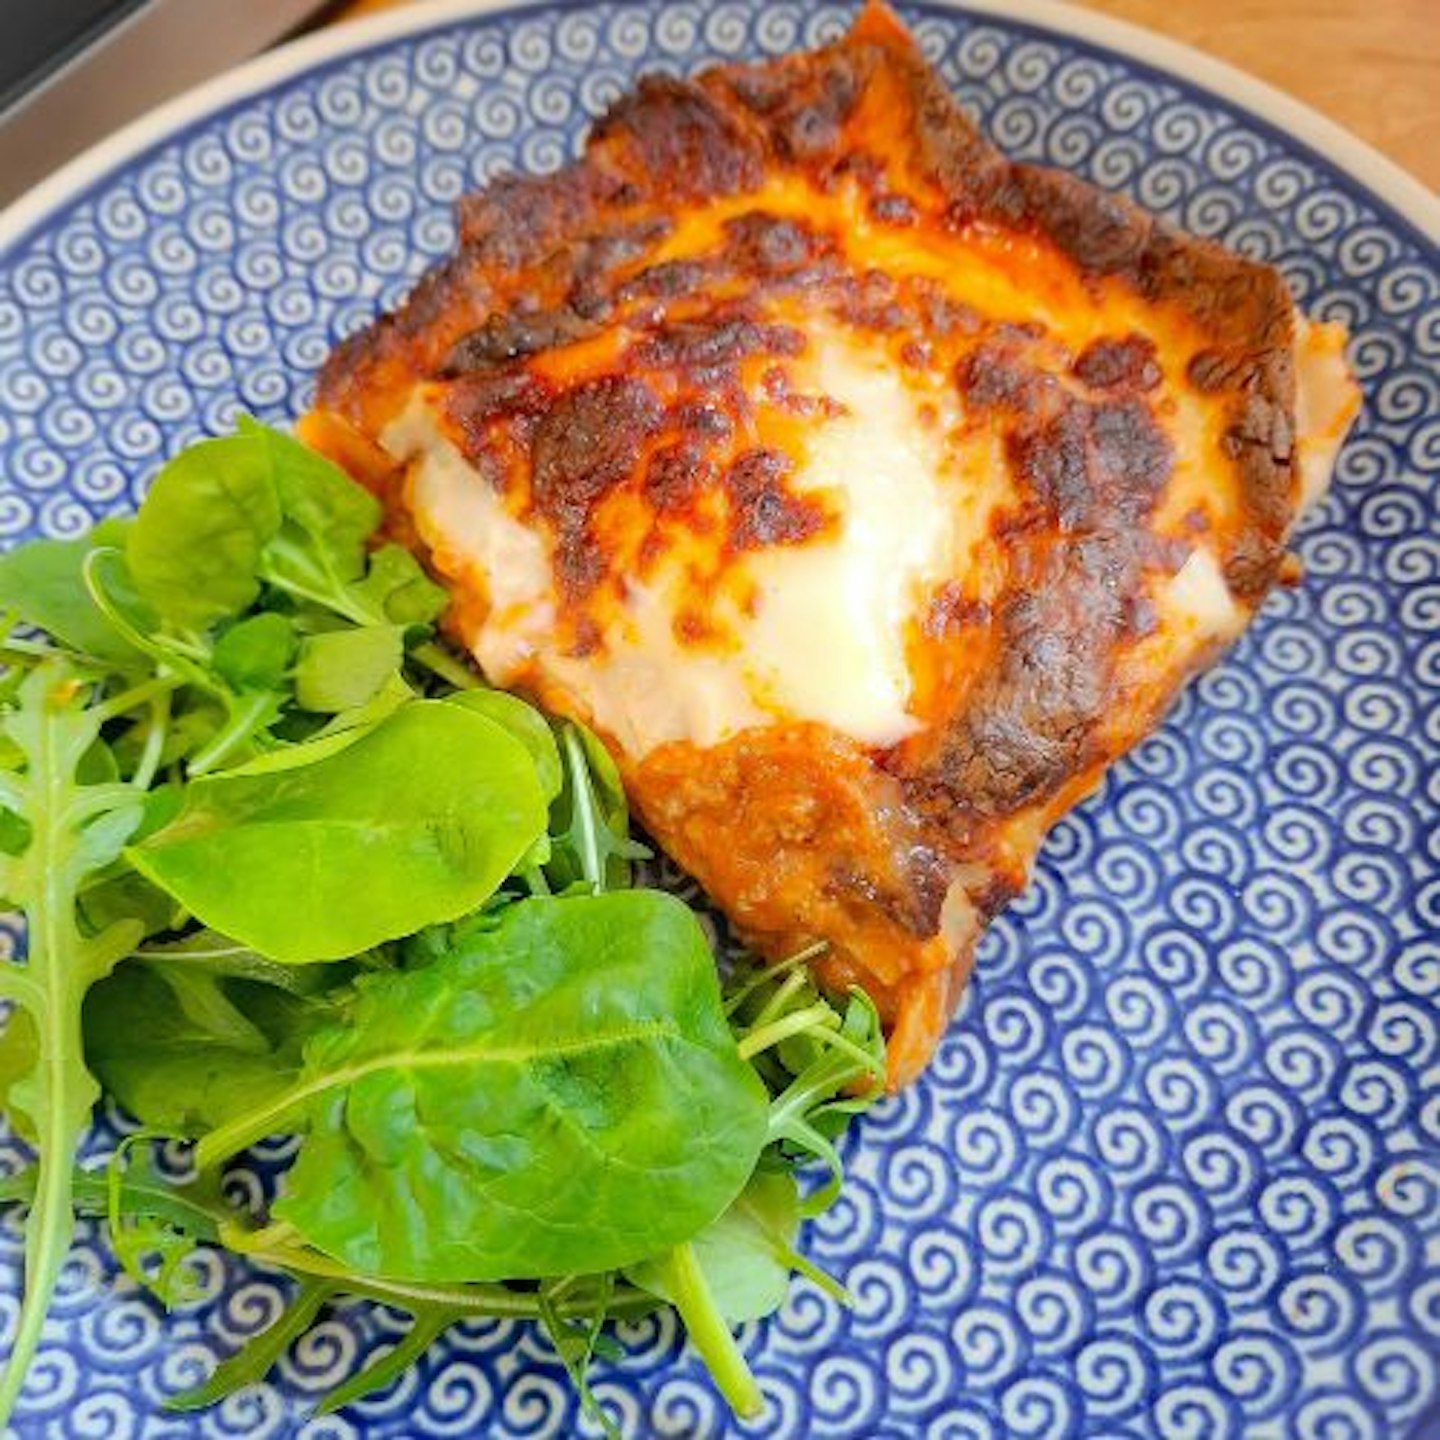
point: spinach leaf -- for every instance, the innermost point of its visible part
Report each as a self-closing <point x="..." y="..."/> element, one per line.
<point x="14" y="830"/>
<point x="41" y="583"/>
<point x="189" y="1036"/>
<point x="195" y="547"/>
<point x="225" y="514"/>
<point x="394" y="692"/>
<point x="345" y="669"/>
<point x="167" y="1069"/>
<point x="414" y="823"/>
<point x="526" y="724"/>
<point x="125" y="895"/>
<point x="559" y="1093"/>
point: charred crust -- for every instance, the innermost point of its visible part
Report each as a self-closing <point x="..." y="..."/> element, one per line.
<point x="1086" y="448"/>
<point x="476" y="404"/>
<point x="894" y="210"/>
<point x="1052" y="461"/>
<point x="666" y="280"/>
<point x="994" y="376"/>
<point x="670" y="141"/>
<point x="1124" y="363"/>
<point x="951" y="610"/>
<point x="803" y="106"/>
<point x="1030" y="720"/>
<point x="676" y="475"/>
<point x="1132" y="457"/>
<point x="706" y="344"/>
<point x="1242" y="307"/>
<point x="763" y="511"/>
<point x="512" y="336"/>
<point x="674" y="132"/>
<point x="588" y="440"/>
<point x="913" y="899"/>
<point x="759" y="243"/>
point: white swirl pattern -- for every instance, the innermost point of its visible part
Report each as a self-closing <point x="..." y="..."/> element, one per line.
<point x="1176" y="1170"/>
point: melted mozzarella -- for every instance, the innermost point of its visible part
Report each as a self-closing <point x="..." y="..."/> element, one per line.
<point x="1326" y="401"/>
<point x="821" y="635"/>
<point x="477" y="543"/>
<point x="814" y="632"/>
<point x="1196" y="602"/>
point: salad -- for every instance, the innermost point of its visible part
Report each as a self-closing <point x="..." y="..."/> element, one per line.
<point x="288" y="867"/>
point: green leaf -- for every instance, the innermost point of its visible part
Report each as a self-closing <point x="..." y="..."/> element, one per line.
<point x="19" y="1051"/>
<point x="189" y="1036"/>
<point x="169" y="1219"/>
<point x="327" y="517"/>
<point x="383" y="1372"/>
<point x="194" y="725"/>
<point x="345" y="669"/>
<point x="414" y="823"/>
<point x="822" y="1066"/>
<point x="129" y="897"/>
<point x="745" y="1254"/>
<point x="41" y="583"/>
<point x="590" y="819"/>
<point x="679" y="1273"/>
<point x="74" y="831"/>
<point x="255" y="653"/>
<point x="254" y="1360"/>
<point x="318" y="553"/>
<point x="396" y="587"/>
<point x="195" y="547"/>
<point x="222" y="958"/>
<point x="14" y="832"/>
<point x="393" y="694"/>
<point x="559" y="1093"/>
<point x="526" y="724"/>
<point x="577" y="1342"/>
<point x="174" y="1071"/>
<point x="195" y="1210"/>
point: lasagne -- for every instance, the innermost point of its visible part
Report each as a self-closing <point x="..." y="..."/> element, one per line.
<point x="869" y="494"/>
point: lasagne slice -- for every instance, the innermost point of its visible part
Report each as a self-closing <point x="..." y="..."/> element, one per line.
<point x="869" y="494"/>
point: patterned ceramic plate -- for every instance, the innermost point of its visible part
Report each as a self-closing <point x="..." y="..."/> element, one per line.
<point x="1176" y="1171"/>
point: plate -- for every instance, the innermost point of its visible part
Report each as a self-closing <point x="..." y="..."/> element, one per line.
<point x="1176" y="1169"/>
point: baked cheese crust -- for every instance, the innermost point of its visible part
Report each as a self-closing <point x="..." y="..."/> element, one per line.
<point x="870" y="494"/>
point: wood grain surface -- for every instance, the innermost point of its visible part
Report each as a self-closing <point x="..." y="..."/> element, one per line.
<point x="1371" y="65"/>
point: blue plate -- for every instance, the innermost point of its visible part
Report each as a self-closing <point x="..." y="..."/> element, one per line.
<point x="1176" y="1170"/>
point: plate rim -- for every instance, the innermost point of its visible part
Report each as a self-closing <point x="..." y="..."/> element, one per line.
<point x="1390" y="187"/>
<point x="1401" y="200"/>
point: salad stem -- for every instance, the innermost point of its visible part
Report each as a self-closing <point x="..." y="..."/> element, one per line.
<point x="336" y="602"/>
<point x="135" y="697"/>
<point x="240" y="727"/>
<point x="60" y="1119"/>
<point x="441" y="663"/>
<point x="47" y="1241"/>
<point x="765" y="1036"/>
<point x="155" y="733"/>
<point x="688" y="1289"/>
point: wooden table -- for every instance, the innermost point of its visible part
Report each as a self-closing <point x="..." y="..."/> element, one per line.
<point x="1371" y="65"/>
